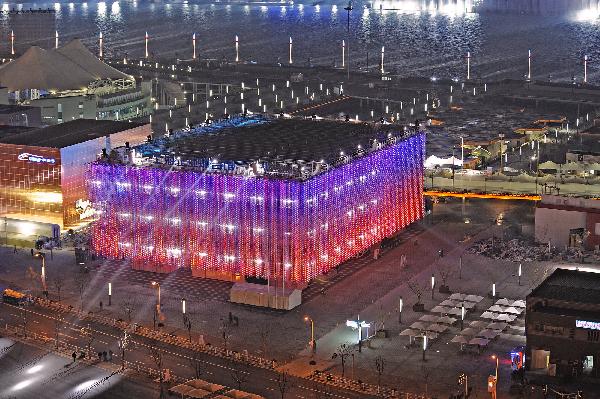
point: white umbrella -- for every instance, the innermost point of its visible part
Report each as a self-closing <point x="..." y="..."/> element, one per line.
<point x="467" y="305"/>
<point x="469" y="332"/>
<point x="506" y="317"/>
<point x="440" y="309"/>
<point x="519" y="303"/>
<point x="419" y="325"/>
<point x="457" y="296"/>
<point x="474" y="298"/>
<point x="497" y="325"/>
<point x="503" y="302"/>
<point x="455" y="311"/>
<point x="479" y="341"/>
<point x="447" y="320"/>
<point x="496" y="308"/>
<point x="409" y="332"/>
<point x="548" y="165"/>
<point x="429" y="318"/>
<point x="438" y="328"/>
<point x="489" y="334"/>
<point x="430" y="334"/>
<point x="513" y="310"/>
<point x="488" y="315"/>
<point x="448" y="302"/>
<point x="460" y="339"/>
<point x="478" y="324"/>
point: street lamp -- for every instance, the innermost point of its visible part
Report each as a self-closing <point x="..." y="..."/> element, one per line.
<point x="183" y="305"/>
<point x="109" y="293"/>
<point x="520" y="272"/>
<point x="44" y="286"/>
<point x="494" y="290"/>
<point x="313" y="344"/>
<point x="400" y="304"/>
<point x="424" y="345"/>
<point x="432" y="284"/>
<point x="156" y="284"/>
<point x="348" y="9"/>
<point x="462" y="316"/>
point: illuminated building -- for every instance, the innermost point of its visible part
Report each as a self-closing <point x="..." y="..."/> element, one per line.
<point x="562" y="326"/>
<point x="70" y="83"/>
<point x="282" y="198"/>
<point x="42" y="171"/>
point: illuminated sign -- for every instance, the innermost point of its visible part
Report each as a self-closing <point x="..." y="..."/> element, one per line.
<point x="25" y="156"/>
<point x="590" y="325"/>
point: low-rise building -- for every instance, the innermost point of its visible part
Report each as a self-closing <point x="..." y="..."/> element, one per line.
<point x="568" y="221"/>
<point x="563" y="325"/>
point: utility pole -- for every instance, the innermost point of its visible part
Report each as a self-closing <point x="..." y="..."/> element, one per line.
<point x="348" y="9"/>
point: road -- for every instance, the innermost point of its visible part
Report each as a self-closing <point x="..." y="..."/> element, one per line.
<point x="179" y="360"/>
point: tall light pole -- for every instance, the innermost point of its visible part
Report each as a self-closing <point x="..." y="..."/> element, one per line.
<point x="348" y="9"/>
<point x="43" y="275"/>
<point x="528" y="65"/>
<point x="468" y="65"/>
<point x="462" y="316"/>
<point x="313" y="345"/>
<point x="520" y="271"/>
<point x="290" y="51"/>
<point x="12" y="42"/>
<point x="585" y="60"/>
<point x="109" y="293"/>
<point x="55" y="39"/>
<point x="382" y="53"/>
<point x="194" y="46"/>
<point x="100" y="43"/>
<point x="146" y="38"/>
<point x="424" y="344"/>
<point x="432" y="284"/>
<point x="343" y="53"/>
<point x="237" y="49"/>
<point x="157" y="285"/>
<point x="183" y="305"/>
<point x="400" y="305"/>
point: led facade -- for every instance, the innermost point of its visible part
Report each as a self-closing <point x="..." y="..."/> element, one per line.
<point x="168" y="218"/>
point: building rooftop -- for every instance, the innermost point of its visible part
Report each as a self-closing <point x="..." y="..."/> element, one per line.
<point x="571" y="286"/>
<point x="68" y="133"/>
<point x="294" y="142"/>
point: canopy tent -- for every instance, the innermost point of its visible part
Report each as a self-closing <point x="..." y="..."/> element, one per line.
<point x="479" y="341"/>
<point x="488" y="334"/>
<point x="440" y="309"/>
<point x="513" y="310"/>
<point x="519" y="303"/>
<point x="488" y="315"/>
<point x="460" y="339"/>
<point x="434" y="161"/>
<point x="409" y="332"/>
<point x="506" y="317"/>
<point x="447" y="320"/>
<point x="573" y="166"/>
<point x="496" y="309"/>
<point x="469" y="332"/>
<point x="457" y="296"/>
<point x="449" y="302"/>
<point x="549" y="165"/>
<point x="473" y="298"/>
<point x="438" y="328"/>
<point x="418" y="325"/>
<point x="479" y="324"/>
<point x="497" y="325"/>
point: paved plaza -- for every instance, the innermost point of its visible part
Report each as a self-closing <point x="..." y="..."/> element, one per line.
<point x="366" y="287"/>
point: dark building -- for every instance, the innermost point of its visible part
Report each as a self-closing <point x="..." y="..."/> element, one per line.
<point x="563" y="325"/>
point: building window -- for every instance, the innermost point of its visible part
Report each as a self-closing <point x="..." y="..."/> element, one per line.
<point x="597" y="229"/>
<point x="593" y="335"/>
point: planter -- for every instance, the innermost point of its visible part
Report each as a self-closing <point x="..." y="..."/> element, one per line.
<point x="381" y="334"/>
<point x="418" y="307"/>
<point x="444" y="289"/>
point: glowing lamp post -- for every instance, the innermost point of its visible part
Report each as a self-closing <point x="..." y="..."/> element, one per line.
<point x="494" y="290"/>
<point x="520" y="272"/>
<point x="157" y="285"/>
<point x="55" y="39"/>
<point x="400" y="305"/>
<point x="468" y="65"/>
<point x="432" y="284"/>
<point x="382" y="54"/>
<point x="424" y="345"/>
<point x="348" y="9"/>
<point x="358" y="324"/>
<point x="528" y="65"/>
<point x="109" y="294"/>
<point x="343" y="53"/>
<point x="585" y="60"/>
<point x="100" y="43"/>
<point x="313" y="344"/>
<point x="194" y="46"/>
<point x="462" y="316"/>
<point x="12" y="42"/>
<point x="146" y="38"/>
<point x="183" y="305"/>
<point x="237" y="49"/>
<point x="290" y="51"/>
<point x="43" y="257"/>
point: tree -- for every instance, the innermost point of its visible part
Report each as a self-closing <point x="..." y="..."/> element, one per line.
<point x="283" y="383"/>
<point x="240" y="374"/>
<point x="265" y="335"/>
<point x="157" y="359"/>
<point x="82" y="280"/>
<point x="196" y="364"/>
<point x="57" y="282"/>
<point x="129" y="306"/>
<point x="444" y="272"/>
<point x="416" y="289"/>
<point x="379" y="365"/>
<point x="225" y="334"/>
<point x="88" y="333"/>
<point x="342" y="352"/>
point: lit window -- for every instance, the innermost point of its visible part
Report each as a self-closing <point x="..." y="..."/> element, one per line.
<point x="203" y="254"/>
<point x="258" y="230"/>
<point x="174" y="252"/>
<point x="228" y="195"/>
<point x="175" y="190"/>
<point x="229" y="258"/>
<point x="258" y="261"/>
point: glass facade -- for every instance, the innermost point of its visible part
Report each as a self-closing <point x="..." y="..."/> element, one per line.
<point x="164" y="219"/>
